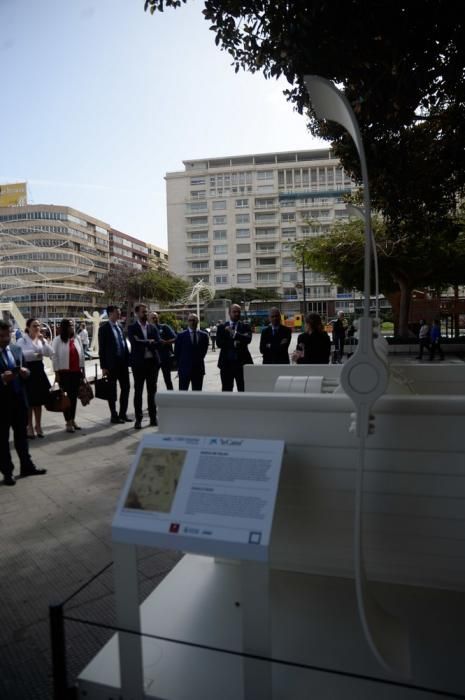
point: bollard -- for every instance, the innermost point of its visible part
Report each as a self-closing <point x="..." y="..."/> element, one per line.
<point x="57" y="637"/>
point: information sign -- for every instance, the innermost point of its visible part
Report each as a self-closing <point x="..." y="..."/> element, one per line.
<point x="206" y="495"/>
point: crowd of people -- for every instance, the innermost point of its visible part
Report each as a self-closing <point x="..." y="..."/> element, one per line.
<point x="146" y="347"/>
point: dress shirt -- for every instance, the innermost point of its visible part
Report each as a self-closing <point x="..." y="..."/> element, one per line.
<point x="148" y="353"/>
<point x="118" y="337"/>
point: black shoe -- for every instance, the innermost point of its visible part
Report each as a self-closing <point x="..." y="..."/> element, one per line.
<point x="125" y="419"/>
<point x="116" y="419"/>
<point x="9" y="480"/>
<point x="153" y="422"/>
<point x="32" y="471"/>
<point x="138" y="425"/>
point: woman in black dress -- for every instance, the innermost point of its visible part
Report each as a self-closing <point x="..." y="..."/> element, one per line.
<point x="35" y="347"/>
<point x="313" y="346"/>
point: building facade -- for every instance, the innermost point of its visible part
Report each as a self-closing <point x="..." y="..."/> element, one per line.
<point x="158" y="257"/>
<point x="128" y="251"/>
<point x="51" y="258"/>
<point x="232" y="222"/>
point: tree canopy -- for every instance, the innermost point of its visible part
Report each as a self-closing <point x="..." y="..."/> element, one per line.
<point x="124" y="285"/>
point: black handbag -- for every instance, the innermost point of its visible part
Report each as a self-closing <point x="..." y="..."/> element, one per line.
<point x="173" y="363"/>
<point x="85" y="393"/>
<point x="105" y="389"/>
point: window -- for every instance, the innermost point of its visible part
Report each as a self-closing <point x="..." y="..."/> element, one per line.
<point x="194" y="236"/>
<point x="197" y="206"/>
<point x="199" y="250"/>
<point x="289" y="276"/>
<point x="266" y="262"/>
<point x="221" y="279"/>
<point x="200" y="265"/>
<point x="219" y="220"/>
<point x="197" y="181"/>
<point x="219" y="264"/>
<point x="288" y="262"/>
<point x="265" y="175"/>
<point x="220" y="249"/>
<point x="220" y="235"/>
<point x="221" y="204"/>
<point x="242" y="218"/>
<point x="265" y="218"/>
<point x="243" y="262"/>
<point x="265" y="189"/>
<point x="288" y="217"/>
<point x="243" y="279"/>
<point x="243" y="248"/>
<point x="198" y="194"/>
<point x="266" y="247"/>
<point x="265" y="202"/>
<point x="198" y="221"/>
<point x="288" y="232"/>
<point x="242" y="203"/>
<point x="267" y="276"/>
<point x="242" y="233"/>
<point x="264" y="232"/>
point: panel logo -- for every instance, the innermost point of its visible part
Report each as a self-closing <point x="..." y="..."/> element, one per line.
<point x="174" y="528"/>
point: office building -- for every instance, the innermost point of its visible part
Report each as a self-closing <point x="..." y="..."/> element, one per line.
<point x="128" y="251"/>
<point x="158" y="257"/>
<point x="232" y="222"/>
<point x="51" y="259"/>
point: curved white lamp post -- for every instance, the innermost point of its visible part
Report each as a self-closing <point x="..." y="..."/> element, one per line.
<point x="364" y="378"/>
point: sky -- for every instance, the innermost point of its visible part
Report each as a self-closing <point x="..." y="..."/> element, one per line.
<point x="100" y="99"/>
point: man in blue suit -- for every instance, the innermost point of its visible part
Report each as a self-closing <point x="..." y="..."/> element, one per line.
<point x="13" y="409"/>
<point x="190" y="349"/>
<point x="233" y="338"/>
<point x="145" y="363"/>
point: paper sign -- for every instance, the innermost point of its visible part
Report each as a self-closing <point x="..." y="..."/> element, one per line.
<point x="206" y="495"/>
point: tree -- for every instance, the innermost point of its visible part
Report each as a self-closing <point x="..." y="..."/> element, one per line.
<point x="401" y="66"/>
<point x="162" y="286"/>
<point x="124" y="285"/>
<point x="404" y="264"/>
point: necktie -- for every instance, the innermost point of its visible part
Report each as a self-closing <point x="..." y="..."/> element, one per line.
<point x="120" y="340"/>
<point x="273" y="330"/>
<point x="194" y="337"/>
<point x="6" y="357"/>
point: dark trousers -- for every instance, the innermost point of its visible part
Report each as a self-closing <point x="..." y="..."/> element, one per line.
<point x="231" y="374"/>
<point x="194" y="378"/>
<point x="14" y="415"/>
<point x="120" y="374"/>
<point x="424" y="343"/>
<point x="165" y="368"/>
<point x="213" y="339"/>
<point x="436" y="347"/>
<point x="146" y="373"/>
<point x="69" y="382"/>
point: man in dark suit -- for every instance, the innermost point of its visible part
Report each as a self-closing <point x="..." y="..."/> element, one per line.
<point x="145" y="363"/>
<point x="167" y="336"/>
<point x="114" y="361"/>
<point x="275" y="340"/>
<point x="232" y="338"/>
<point x="190" y="349"/>
<point x="13" y="409"/>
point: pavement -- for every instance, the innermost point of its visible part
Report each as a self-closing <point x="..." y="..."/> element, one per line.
<point x="56" y="536"/>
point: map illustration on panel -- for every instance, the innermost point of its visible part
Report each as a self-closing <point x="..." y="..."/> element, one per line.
<point x="156" y="479"/>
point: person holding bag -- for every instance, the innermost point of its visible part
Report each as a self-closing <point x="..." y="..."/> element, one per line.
<point x="35" y="347"/>
<point x="69" y="363"/>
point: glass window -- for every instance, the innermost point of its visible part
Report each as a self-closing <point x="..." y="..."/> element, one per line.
<point x="265" y="202"/>
<point x="242" y="218"/>
<point x="264" y="175"/>
<point x="243" y="262"/>
<point x="218" y="220"/>
<point x="242" y="233"/>
<point x="220" y="204"/>
<point x="197" y="206"/>
<point x="220" y="249"/>
<point x="266" y="261"/>
<point x="220" y="235"/>
<point x="221" y="279"/>
<point x="264" y="218"/>
<point x="267" y="276"/>
<point x="194" y="236"/>
<point x="243" y="279"/>
<point x="198" y="194"/>
<point x="221" y="264"/>
<point x="243" y="248"/>
<point x="198" y="221"/>
<point x="197" y="181"/>
<point x="266" y="247"/>
<point x="288" y="232"/>
<point x="287" y="217"/>
<point x="289" y="276"/>
<point x="242" y="203"/>
<point x="199" y="250"/>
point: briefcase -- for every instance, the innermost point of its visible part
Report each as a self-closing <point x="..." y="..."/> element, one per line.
<point x="58" y="400"/>
<point x="105" y="389"/>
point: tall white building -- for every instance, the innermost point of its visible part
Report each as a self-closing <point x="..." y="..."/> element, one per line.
<point x="232" y="221"/>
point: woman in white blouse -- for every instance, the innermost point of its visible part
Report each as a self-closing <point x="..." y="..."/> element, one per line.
<point x="35" y="347"/>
